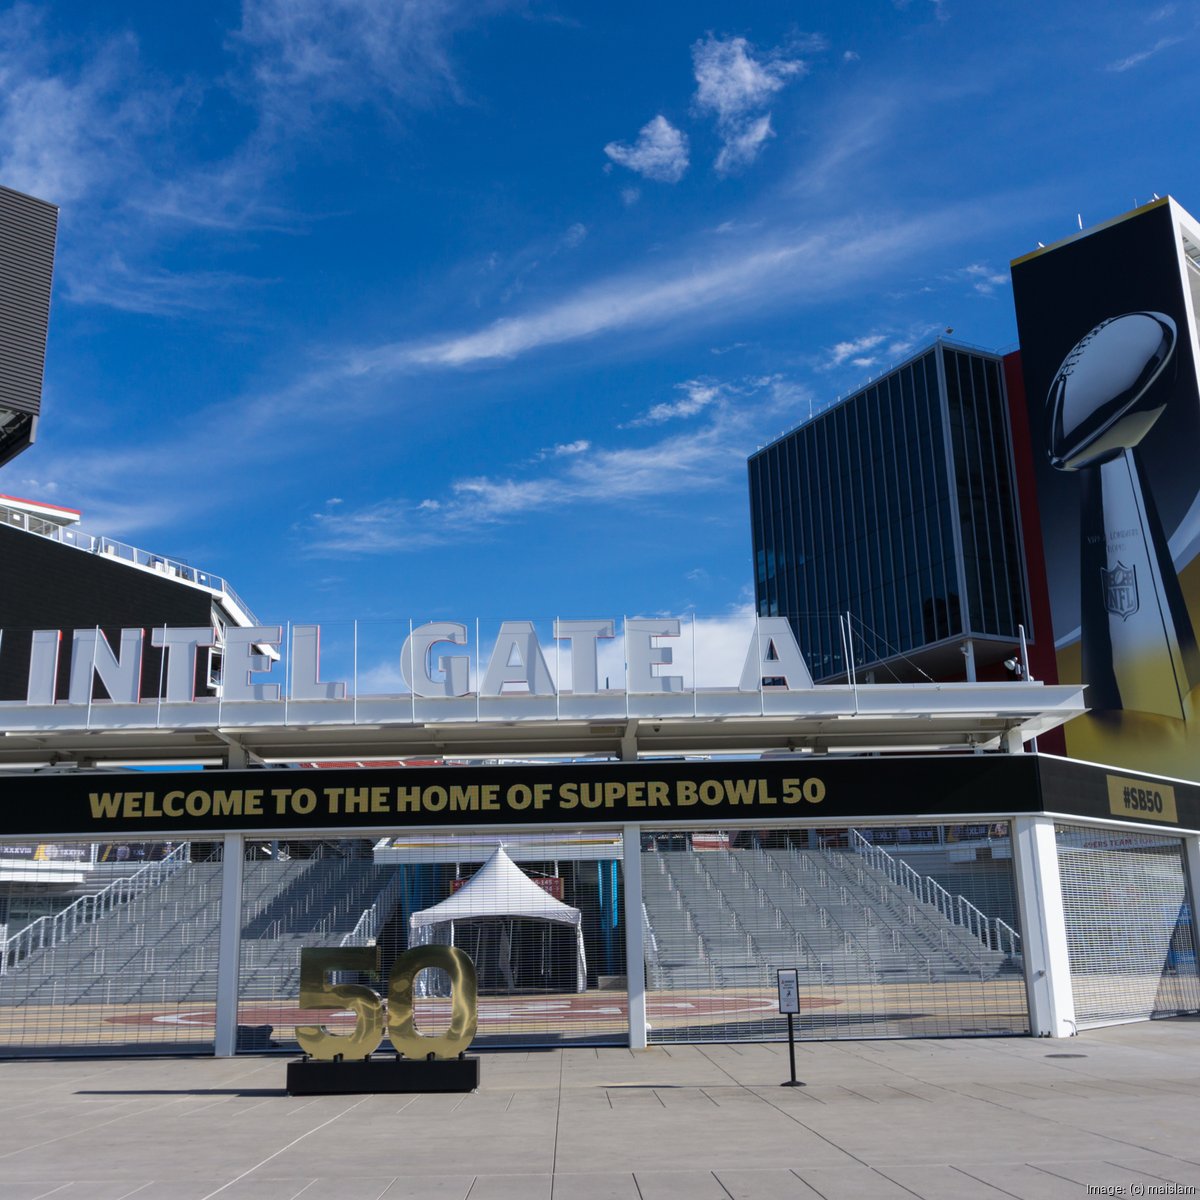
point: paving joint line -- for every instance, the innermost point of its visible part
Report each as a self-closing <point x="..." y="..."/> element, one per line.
<point x="282" y="1149"/>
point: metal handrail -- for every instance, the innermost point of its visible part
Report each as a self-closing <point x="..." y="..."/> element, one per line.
<point x="47" y="932"/>
<point x="911" y="943"/>
<point x="1005" y="932"/>
<point x="993" y="932"/>
<point x="366" y="929"/>
<point x="649" y="943"/>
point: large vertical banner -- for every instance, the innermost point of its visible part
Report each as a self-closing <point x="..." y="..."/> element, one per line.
<point x="1108" y="331"/>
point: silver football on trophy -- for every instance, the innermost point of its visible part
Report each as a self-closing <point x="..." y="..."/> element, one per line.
<point x="1102" y="399"/>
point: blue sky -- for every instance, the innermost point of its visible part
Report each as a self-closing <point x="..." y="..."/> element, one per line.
<point x="391" y="309"/>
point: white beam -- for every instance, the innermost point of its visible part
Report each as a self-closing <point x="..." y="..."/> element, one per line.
<point x="1043" y="928"/>
<point x="635" y="946"/>
<point x="229" y="940"/>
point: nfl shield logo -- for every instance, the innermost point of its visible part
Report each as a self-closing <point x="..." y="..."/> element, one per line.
<point x="1120" y="590"/>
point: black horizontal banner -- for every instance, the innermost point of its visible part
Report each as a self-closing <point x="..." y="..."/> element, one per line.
<point x="824" y="790"/>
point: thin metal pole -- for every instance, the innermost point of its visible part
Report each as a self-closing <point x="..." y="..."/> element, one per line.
<point x="695" y="681"/>
<point x="850" y="653"/>
<point x="846" y="652"/>
<point x="92" y="677"/>
<point x="289" y="650"/>
<point x="162" y="666"/>
<point x="792" y="1049"/>
<point x="1025" y="671"/>
<point x="625" y="649"/>
<point x="762" y="697"/>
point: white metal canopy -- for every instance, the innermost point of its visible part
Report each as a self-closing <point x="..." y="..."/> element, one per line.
<point x="500" y="889"/>
<point x="830" y="718"/>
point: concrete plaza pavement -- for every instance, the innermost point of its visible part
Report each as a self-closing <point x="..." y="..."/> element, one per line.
<point x="1115" y="1108"/>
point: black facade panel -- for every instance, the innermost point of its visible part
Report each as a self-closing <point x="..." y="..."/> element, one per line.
<point x="854" y="790"/>
<point x="27" y="233"/>
<point x="48" y="585"/>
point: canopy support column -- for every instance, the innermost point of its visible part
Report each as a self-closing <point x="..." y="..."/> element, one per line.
<point x="229" y="943"/>
<point x="1043" y="928"/>
<point x="635" y="946"/>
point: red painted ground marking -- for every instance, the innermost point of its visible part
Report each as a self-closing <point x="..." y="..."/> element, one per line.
<point x="494" y="1010"/>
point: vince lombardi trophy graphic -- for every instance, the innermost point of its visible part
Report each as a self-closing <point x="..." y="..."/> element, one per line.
<point x="1139" y="648"/>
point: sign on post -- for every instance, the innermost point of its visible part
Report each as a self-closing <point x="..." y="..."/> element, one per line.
<point x="789" y="991"/>
<point x="788" y="980"/>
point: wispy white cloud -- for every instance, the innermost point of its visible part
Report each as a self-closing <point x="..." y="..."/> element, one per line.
<point x="858" y="129"/>
<point x="855" y="349"/>
<point x="660" y="152"/>
<point x="293" y="61"/>
<point x="154" y="291"/>
<point x="939" y="8"/>
<point x="565" y="449"/>
<point x="575" y="235"/>
<point x="233" y="193"/>
<point x="79" y="120"/>
<point x="28" y="487"/>
<point x="984" y="279"/>
<point x="303" y="53"/>
<point x="903" y="345"/>
<point x="695" y="396"/>
<point x="69" y="131"/>
<point x="85" y="126"/>
<point x="503" y="276"/>
<point x="711" y="455"/>
<point x="880" y="348"/>
<point x="735" y="87"/>
<point x="704" y="280"/>
<point x="1136" y="60"/>
<point x="741" y="147"/>
<point x="808" y="263"/>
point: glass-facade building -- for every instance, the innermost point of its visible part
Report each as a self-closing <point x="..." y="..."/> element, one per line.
<point x="887" y="526"/>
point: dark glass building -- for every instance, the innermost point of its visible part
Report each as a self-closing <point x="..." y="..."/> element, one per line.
<point x="887" y="526"/>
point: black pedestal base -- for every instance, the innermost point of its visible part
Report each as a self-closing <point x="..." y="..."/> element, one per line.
<point x="315" y="1077"/>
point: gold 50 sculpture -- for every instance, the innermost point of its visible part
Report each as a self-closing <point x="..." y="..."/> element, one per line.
<point x="316" y="991"/>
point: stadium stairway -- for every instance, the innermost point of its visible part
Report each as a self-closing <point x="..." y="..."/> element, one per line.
<point x="724" y="917"/>
<point x="161" y="946"/>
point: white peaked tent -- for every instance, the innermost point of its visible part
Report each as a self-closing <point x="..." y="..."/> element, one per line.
<point x="500" y="889"/>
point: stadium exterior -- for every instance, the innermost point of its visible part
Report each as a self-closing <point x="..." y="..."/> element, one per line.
<point x="191" y="798"/>
<point x="919" y="891"/>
